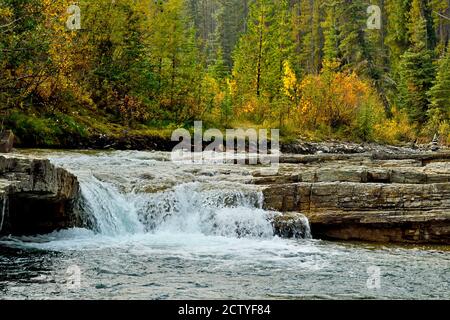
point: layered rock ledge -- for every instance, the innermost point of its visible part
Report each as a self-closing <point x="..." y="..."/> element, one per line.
<point x="35" y="196"/>
<point x="367" y="197"/>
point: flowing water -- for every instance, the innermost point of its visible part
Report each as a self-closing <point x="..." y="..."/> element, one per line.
<point x="160" y="230"/>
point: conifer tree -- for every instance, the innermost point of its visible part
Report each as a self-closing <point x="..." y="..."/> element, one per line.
<point x="416" y="67"/>
<point x="352" y="43"/>
<point x="179" y="64"/>
<point x="397" y="33"/>
<point x="253" y="57"/>
<point x="440" y="92"/>
<point x="231" y="19"/>
<point x="309" y="35"/>
<point x="440" y="12"/>
<point x="331" y="34"/>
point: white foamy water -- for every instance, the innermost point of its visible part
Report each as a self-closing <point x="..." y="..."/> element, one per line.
<point x="130" y="193"/>
<point x="164" y="230"/>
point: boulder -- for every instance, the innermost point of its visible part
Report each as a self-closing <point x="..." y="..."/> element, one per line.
<point x="36" y="197"/>
<point x="291" y="225"/>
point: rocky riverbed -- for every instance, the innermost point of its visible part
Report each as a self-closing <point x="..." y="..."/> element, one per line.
<point x="384" y="194"/>
<point x="163" y="230"/>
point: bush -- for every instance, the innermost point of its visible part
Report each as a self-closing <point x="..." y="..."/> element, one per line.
<point x="395" y="129"/>
<point x="336" y="104"/>
<point x="438" y="123"/>
<point x="31" y="130"/>
<point x="368" y="116"/>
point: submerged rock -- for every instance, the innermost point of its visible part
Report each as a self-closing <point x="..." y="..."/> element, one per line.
<point x="36" y="197"/>
<point x="292" y="225"/>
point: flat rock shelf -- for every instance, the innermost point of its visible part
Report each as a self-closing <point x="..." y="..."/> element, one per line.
<point x="366" y="197"/>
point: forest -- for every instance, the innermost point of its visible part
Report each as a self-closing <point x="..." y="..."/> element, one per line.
<point x="315" y="69"/>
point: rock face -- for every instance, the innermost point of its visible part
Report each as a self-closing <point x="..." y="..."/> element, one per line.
<point x="6" y="141"/>
<point x="366" y="197"/>
<point x="35" y="196"/>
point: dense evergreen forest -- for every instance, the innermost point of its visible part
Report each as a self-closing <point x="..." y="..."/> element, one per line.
<point x="316" y="69"/>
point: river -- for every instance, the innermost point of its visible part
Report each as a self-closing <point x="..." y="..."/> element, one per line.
<point x="161" y="230"/>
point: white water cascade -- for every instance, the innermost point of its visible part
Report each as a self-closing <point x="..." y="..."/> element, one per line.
<point x="131" y="193"/>
<point x="3" y="211"/>
<point x="111" y="212"/>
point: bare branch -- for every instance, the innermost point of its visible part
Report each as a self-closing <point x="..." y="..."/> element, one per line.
<point x="441" y="15"/>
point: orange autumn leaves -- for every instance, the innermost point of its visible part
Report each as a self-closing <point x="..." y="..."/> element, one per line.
<point x="322" y="104"/>
<point x="332" y="104"/>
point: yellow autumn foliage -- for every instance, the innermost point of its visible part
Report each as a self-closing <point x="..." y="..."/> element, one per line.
<point x="331" y="99"/>
<point x="395" y="129"/>
<point x="290" y="84"/>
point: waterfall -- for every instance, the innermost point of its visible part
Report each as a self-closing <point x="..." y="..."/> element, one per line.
<point x="186" y="208"/>
<point x="111" y="212"/>
<point x="131" y="193"/>
<point x="195" y="207"/>
<point x="4" y="204"/>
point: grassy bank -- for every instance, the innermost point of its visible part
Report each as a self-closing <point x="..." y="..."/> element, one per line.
<point x="101" y="131"/>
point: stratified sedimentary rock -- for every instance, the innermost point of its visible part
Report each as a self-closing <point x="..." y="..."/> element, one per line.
<point x="387" y="198"/>
<point x="35" y="196"/>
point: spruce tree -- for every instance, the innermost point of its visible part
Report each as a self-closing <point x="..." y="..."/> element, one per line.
<point x="416" y="68"/>
<point x="440" y="92"/>
<point x="178" y="63"/>
<point x="253" y="58"/>
<point x="397" y="33"/>
<point x="440" y="11"/>
<point x="260" y="55"/>
<point x="352" y="44"/>
<point x="231" y="19"/>
<point x="331" y="34"/>
<point x="309" y="35"/>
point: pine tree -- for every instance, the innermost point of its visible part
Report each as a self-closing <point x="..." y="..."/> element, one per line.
<point x="352" y="43"/>
<point x="416" y="67"/>
<point x="440" y="92"/>
<point x="260" y="55"/>
<point x="397" y="33"/>
<point x="231" y="19"/>
<point x="309" y="35"/>
<point x="283" y="35"/>
<point x="440" y="11"/>
<point x="331" y="34"/>
<point x="377" y="56"/>
<point x="179" y="65"/>
<point x="253" y="66"/>
<point x="204" y="16"/>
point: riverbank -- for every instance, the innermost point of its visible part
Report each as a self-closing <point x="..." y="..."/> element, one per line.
<point x="92" y="131"/>
<point x="161" y="141"/>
